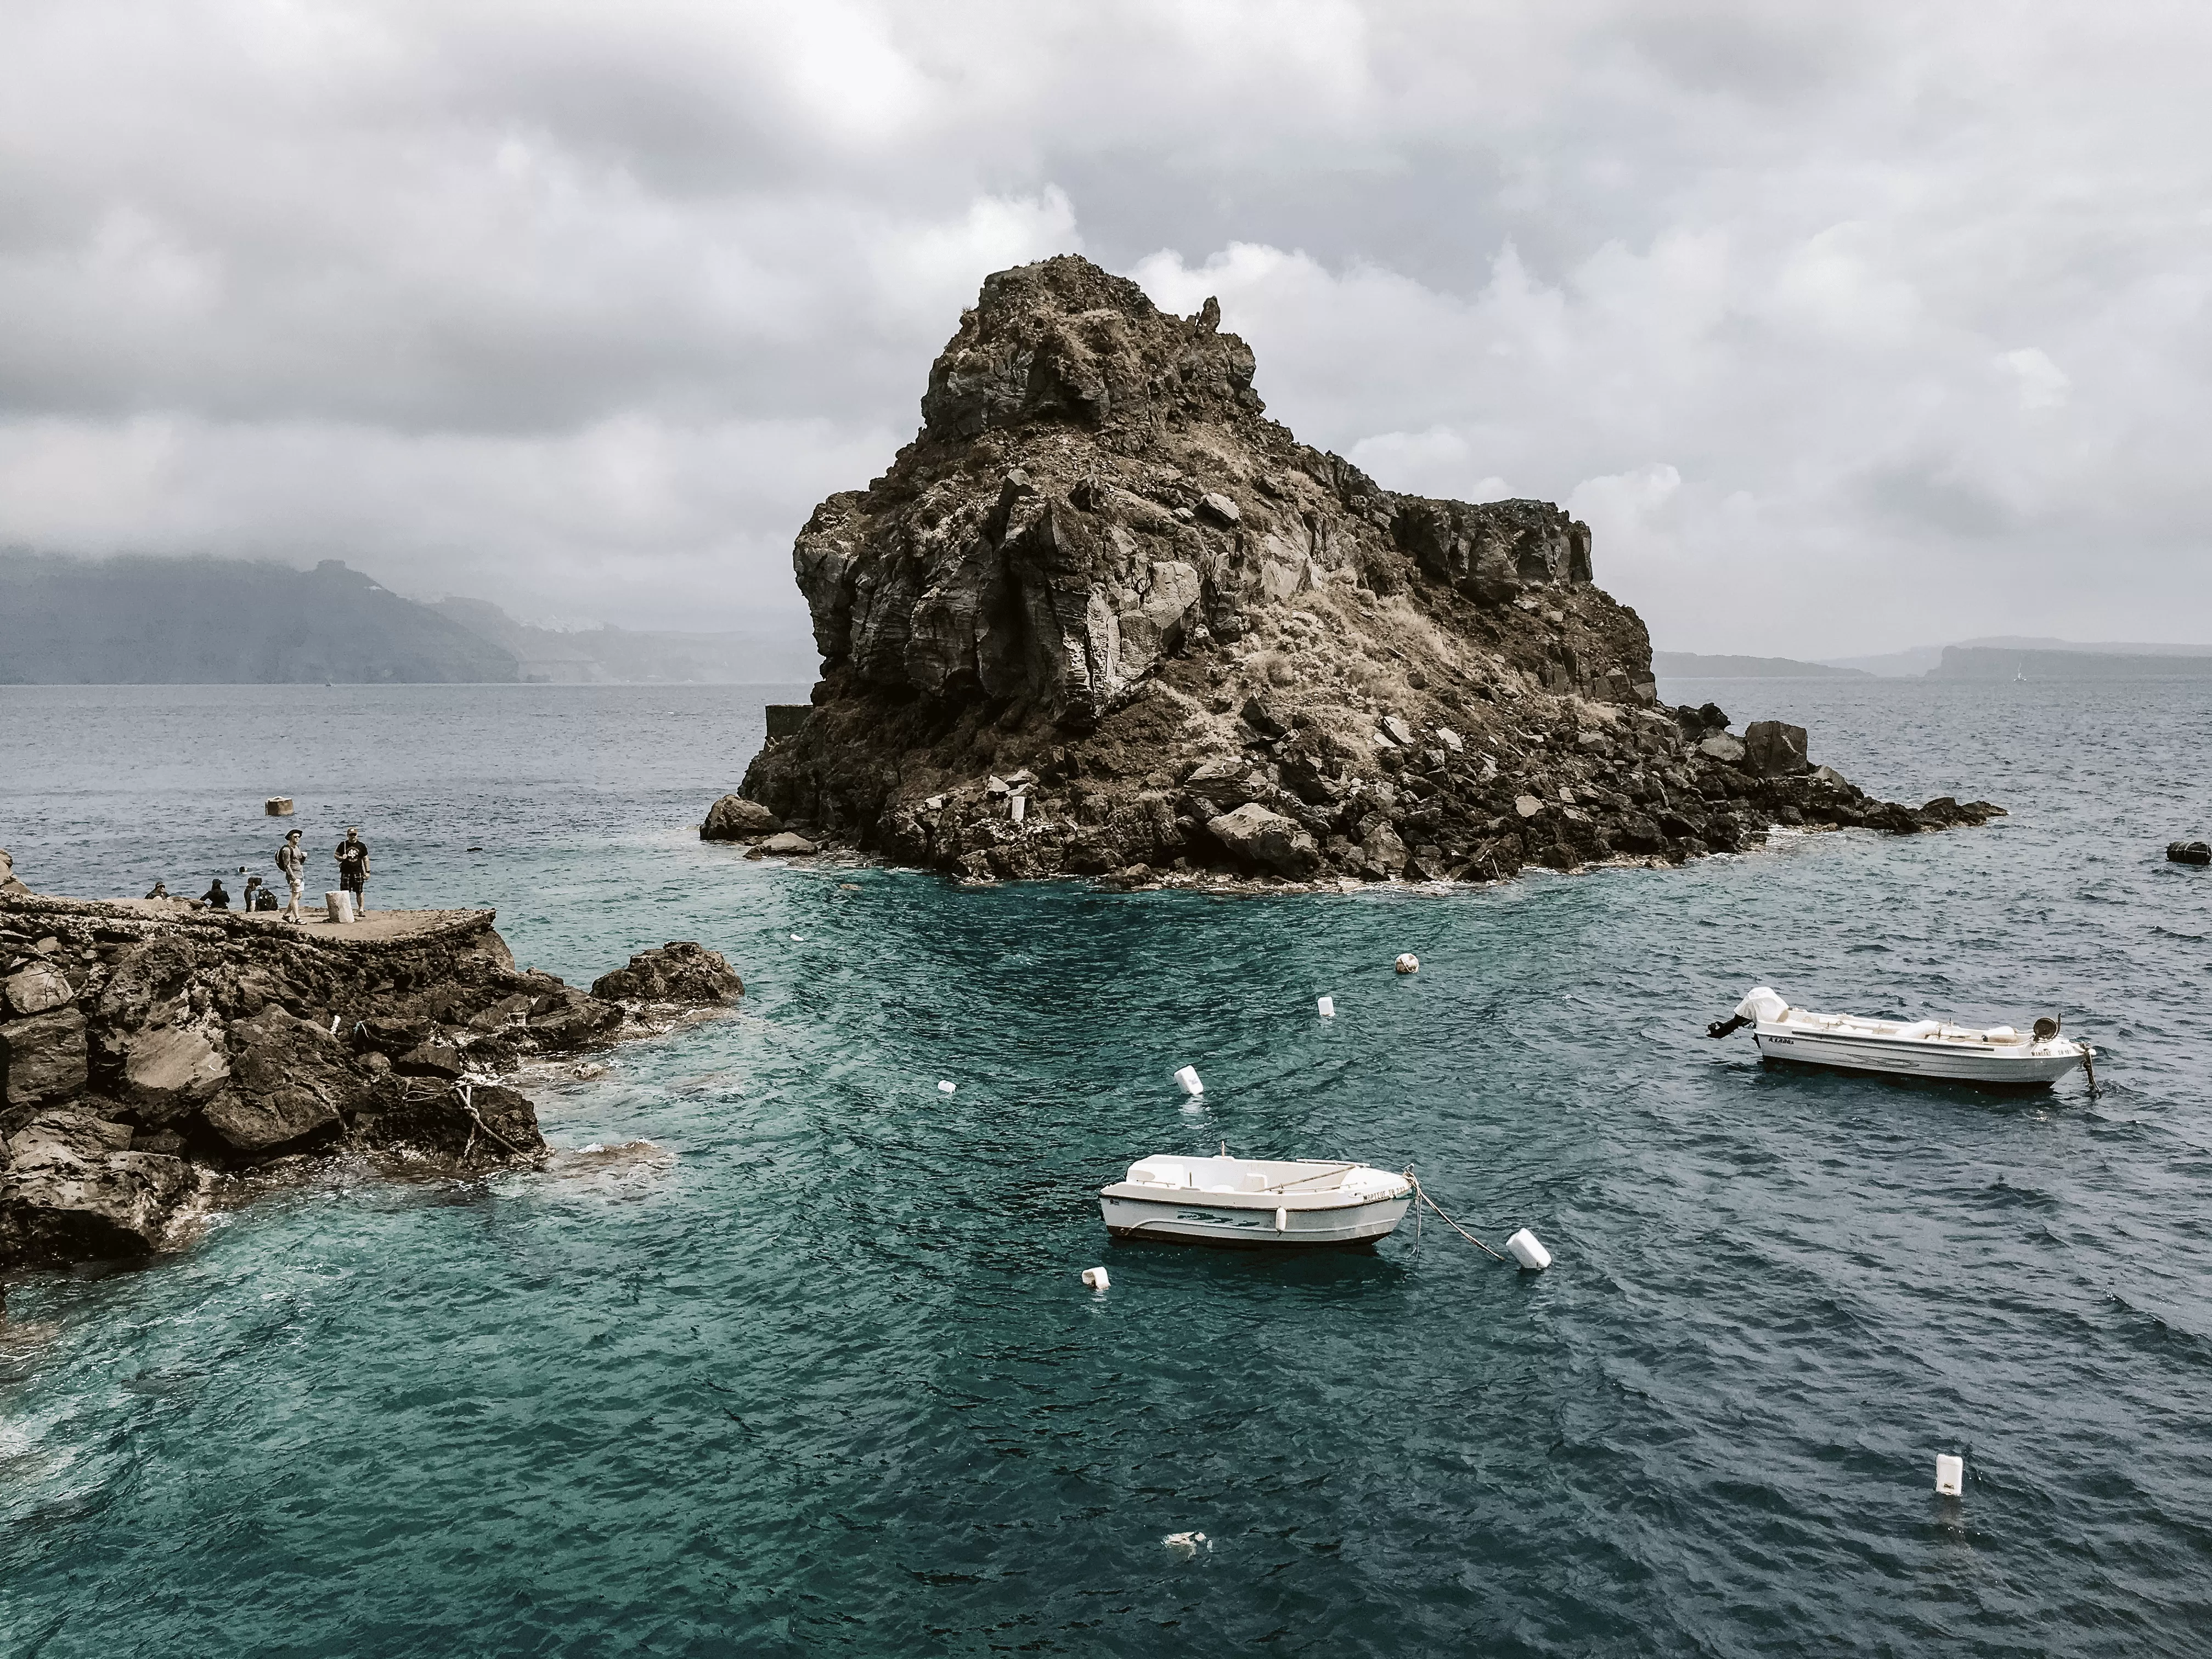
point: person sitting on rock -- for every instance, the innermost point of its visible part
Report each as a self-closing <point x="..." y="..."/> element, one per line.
<point x="216" y="897"/>
<point x="161" y="891"/>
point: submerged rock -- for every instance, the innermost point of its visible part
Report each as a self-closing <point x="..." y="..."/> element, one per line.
<point x="735" y="818"/>
<point x="678" y="971"/>
<point x="1208" y="647"/>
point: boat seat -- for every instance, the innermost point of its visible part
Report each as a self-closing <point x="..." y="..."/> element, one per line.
<point x="1251" y="1181"/>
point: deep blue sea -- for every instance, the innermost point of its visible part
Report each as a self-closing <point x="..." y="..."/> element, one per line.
<point x="820" y="1378"/>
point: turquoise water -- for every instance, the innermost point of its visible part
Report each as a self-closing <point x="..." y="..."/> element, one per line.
<point x="820" y="1376"/>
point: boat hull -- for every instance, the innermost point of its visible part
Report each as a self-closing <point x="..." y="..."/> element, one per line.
<point x="1944" y="1062"/>
<point x="1208" y="1219"/>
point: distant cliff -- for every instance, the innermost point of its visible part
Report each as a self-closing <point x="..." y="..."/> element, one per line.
<point x="139" y="621"/>
<point x="599" y="656"/>
<point x="1696" y="666"/>
<point x="1971" y="662"/>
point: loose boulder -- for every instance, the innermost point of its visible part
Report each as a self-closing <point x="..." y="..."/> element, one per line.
<point x="58" y="1204"/>
<point x="1774" y="749"/>
<point x="42" y="1060"/>
<point x="291" y="1083"/>
<point x="36" y="988"/>
<point x="681" y="971"/>
<point x="787" y="845"/>
<point x="735" y="818"/>
<point x="1267" y="839"/>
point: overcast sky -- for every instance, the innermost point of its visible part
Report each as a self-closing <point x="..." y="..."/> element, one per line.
<point x="1846" y="327"/>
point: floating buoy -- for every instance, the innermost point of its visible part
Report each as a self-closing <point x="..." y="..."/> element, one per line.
<point x="1527" y="1252"/>
<point x="1188" y="1077"/>
<point x="1095" y="1278"/>
<point x="1184" y="1541"/>
<point x="1327" y="1007"/>
<point x="1950" y="1475"/>
<point x="946" y="1088"/>
<point x="1408" y="963"/>
<point x="1282" y="1217"/>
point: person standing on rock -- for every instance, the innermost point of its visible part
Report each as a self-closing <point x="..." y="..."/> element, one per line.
<point x="353" y="867"/>
<point x="293" y="861"/>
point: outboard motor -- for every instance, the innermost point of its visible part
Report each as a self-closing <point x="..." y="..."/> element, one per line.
<point x="1761" y="1003"/>
<point x="2045" y="1029"/>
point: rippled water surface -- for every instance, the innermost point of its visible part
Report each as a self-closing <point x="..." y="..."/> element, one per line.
<point x="817" y="1376"/>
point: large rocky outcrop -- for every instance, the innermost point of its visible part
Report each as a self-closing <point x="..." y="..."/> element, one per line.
<point x="1102" y="613"/>
<point x="148" y="1054"/>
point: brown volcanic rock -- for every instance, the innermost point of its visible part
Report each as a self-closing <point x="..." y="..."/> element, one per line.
<point x="234" y="1040"/>
<point x="1100" y="580"/>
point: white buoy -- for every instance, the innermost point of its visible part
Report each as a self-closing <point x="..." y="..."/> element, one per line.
<point x="1185" y="1540"/>
<point x="1017" y="806"/>
<point x="1408" y="963"/>
<point x="1282" y="1217"/>
<point x="1950" y="1475"/>
<point x="1329" y="1007"/>
<point x="946" y="1088"/>
<point x="1527" y="1252"/>
<point x="1188" y="1077"/>
<point x="1095" y="1278"/>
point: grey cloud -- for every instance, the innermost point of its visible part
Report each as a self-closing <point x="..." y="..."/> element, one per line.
<point x="587" y="306"/>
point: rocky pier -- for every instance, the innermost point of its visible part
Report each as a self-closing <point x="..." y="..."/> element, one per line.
<point x="152" y="1053"/>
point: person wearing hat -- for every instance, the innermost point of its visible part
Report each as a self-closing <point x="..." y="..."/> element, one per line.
<point x="294" y="863"/>
<point x="353" y="867"/>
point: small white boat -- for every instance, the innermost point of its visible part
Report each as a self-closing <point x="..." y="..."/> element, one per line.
<point x="1927" y="1047"/>
<point x="1255" y="1201"/>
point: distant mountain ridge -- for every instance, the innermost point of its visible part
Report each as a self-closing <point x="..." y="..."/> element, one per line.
<point x="139" y="620"/>
<point x="135" y="620"/>
<point x="1963" y="662"/>
<point x="1697" y="665"/>
<point x="608" y="655"/>
<point x="1922" y="660"/>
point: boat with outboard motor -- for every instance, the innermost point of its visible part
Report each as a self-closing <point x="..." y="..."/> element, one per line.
<point x="1928" y="1048"/>
<point x="1256" y="1201"/>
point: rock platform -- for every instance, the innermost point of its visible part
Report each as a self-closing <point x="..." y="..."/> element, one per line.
<point x="151" y="1051"/>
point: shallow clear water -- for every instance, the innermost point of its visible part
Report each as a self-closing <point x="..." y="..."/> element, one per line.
<point x="826" y="1381"/>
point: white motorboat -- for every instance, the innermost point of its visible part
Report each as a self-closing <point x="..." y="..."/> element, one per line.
<point x="1256" y="1201"/>
<point x="1927" y="1047"/>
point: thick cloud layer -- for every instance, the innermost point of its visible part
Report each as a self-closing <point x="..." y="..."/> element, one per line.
<point x="1847" y="328"/>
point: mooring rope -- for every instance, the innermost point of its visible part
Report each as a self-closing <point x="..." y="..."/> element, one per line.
<point x="1422" y="1193"/>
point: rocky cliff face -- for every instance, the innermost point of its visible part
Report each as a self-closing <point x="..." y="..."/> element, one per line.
<point x="1103" y="615"/>
<point x="147" y="1056"/>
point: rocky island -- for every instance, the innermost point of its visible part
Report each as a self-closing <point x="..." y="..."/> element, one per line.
<point x="1101" y="616"/>
<point x="151" y="1054"/>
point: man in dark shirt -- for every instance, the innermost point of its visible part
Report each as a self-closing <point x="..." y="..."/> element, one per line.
<point x="353" y="867"/>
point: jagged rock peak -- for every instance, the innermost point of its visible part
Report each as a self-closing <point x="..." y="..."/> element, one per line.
<point x="1101" y="614"/>
<point x="1063" y="339"/>
<point x="1095" y="491"/>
